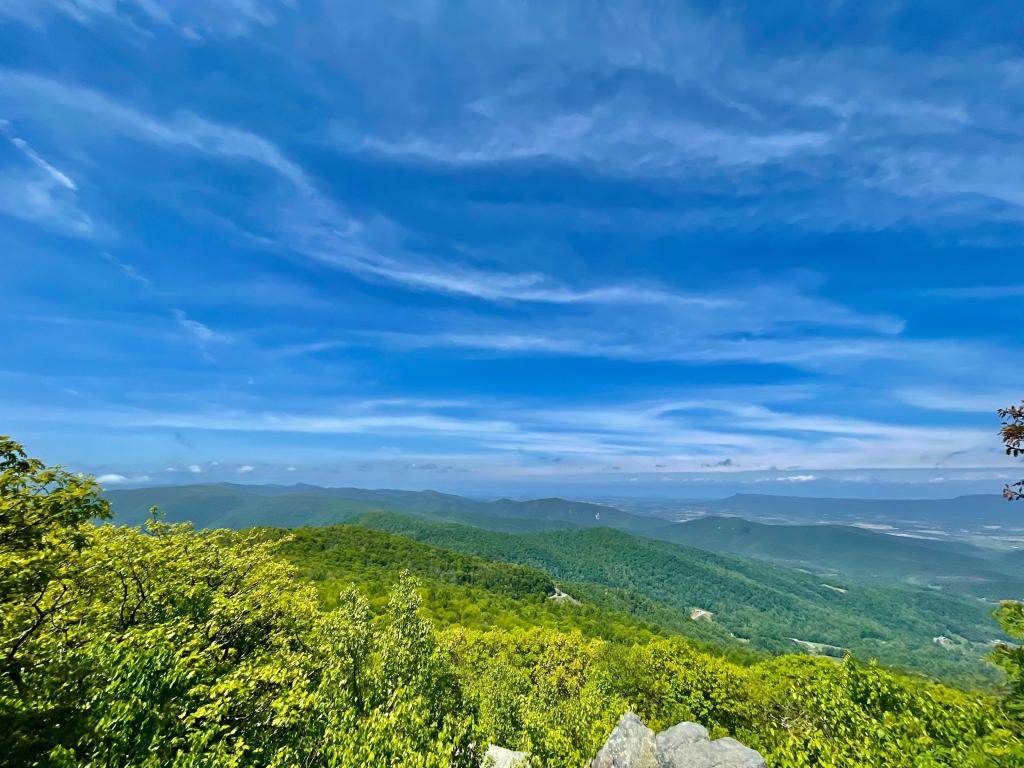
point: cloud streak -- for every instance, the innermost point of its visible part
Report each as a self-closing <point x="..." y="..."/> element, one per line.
<point x="213" y="19"/>
<point x="694" y="100"/>
<point x="663" y="436"/>
<point x="34" y="190"/>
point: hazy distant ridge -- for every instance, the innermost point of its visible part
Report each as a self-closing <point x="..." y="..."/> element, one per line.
<point x="831" y="550"/>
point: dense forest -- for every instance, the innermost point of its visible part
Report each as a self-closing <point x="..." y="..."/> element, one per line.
<point x="765" y="606"/>
<point x="347" y="646"/>
<point x="878" y="595"/>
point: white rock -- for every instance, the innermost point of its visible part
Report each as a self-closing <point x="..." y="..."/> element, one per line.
<point x="631" y="745"/>
<point x="499" y="757"/>
<point x="686" y="745"/>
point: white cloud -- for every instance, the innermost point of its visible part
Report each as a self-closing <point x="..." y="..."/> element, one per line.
<point x="664" y="91"/>
<point x="195" y="469"/>
<point x="677" y="436"/>
<point x="59" y="178"/>
<point x="612" y="136"/>
<point x="309" y="222"/>
<point x="117" y="479"/>
<point x="38" y="192"/>
<point x="198" y="330"/>
<point x="245" y="469"/>
<point x="92" y="113"/>
<point x="645" y="339"/>
<point x="958" y="400"/>
<point x="202" y="335"/>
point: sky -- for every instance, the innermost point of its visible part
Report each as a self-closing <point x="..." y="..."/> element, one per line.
<point x="630" y="248"/>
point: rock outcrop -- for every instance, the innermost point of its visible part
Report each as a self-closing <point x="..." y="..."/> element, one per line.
<point x="499" y="757"/>
<point x="686" y="745"/>
<point x="633" y="745"/>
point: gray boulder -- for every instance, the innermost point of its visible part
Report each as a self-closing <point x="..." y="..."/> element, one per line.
<point x="631" y="745"/>
<point x="686" y="745"/>
<point x="499" y="757"/>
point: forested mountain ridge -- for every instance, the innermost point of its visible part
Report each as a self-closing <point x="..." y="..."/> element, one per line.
<point x="834" y="551"/>
<point x="225" y="505"/>
<point x="469" y="591"/>
<point x="774" y="608"/>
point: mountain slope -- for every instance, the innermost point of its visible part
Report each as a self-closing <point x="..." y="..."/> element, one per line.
<point x="771" y="606"/>
<point x="470" y="591"/>
<point x="848" y="551"/>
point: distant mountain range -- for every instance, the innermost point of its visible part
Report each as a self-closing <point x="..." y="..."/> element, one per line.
<point x="226" y="505"/>
<point x="962" y="512"/>
<point x="830" y="550"/>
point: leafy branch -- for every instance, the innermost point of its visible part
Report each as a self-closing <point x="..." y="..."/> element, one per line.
<point x="1013" y="438"/>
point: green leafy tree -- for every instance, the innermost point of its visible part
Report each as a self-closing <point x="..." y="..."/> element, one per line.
<point x="168" y="646"/>
<point x="44" y="514"/>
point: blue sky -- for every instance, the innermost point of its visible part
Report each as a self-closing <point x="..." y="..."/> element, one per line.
<point x="628" y="248"/>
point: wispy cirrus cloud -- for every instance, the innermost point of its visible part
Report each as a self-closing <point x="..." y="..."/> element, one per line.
<point x="195" y="21"/>
<point x="677" y="436"/>
<point x="652" y="339"/>
<point x="199" y="333"/>
<point x="374" y="249"/>
<point x="127" y="270"/>
<point x="679" y="93"/>
<point x="51" y="103"/>
<point x="626" y="141"/>
<point x="34" y="190"/>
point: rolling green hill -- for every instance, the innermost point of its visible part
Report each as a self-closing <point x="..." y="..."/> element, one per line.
<point x="469" y="591"/>
<point x="774" y="608"/>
